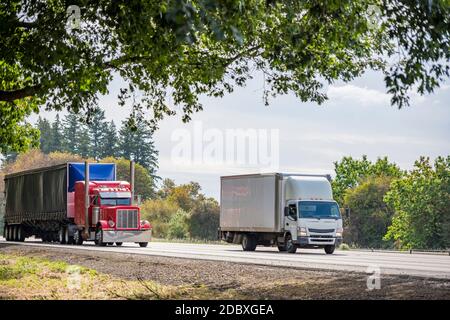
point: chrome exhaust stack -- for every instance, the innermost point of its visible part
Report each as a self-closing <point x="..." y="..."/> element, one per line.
<point x="86" y="200"/>
<point x="132" y="180"/>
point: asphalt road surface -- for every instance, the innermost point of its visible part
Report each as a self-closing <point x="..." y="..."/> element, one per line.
<point x="416" y="264"/>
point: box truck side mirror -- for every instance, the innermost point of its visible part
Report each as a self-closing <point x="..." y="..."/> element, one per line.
<point x="286" y="211"/>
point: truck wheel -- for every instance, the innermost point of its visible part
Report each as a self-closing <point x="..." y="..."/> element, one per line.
<point x="329" y="249"/>
<point x="290" y="246"/>
<point x="61" y="235"/>
<point x="99" y="238"/>
<point x="119" y="244"/>
<point x="143" y="244"/>
<point x="78" y="238"/>
<point x="249" y="243"/>
<point x="14" y="233"/>
<point x="67" y="238"/>
<point x="8" y="233"/>
<point x="20" y="234"/>
<point x="282" y="248"/>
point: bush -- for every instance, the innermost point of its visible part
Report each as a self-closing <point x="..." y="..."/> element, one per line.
<point x="344" y="247"/>
<point x="159" y="212"/>
<point x="178" y="225"/>
<point x="204" y="220"/>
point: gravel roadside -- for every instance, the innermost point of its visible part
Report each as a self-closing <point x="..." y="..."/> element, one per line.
<point x="245" y="281"/>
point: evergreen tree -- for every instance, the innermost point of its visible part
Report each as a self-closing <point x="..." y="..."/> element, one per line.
<point x="109" y="144"/>
<point x="45" y="140"/>
<point x="84" y="142"/>
<point x="138" y="145"/>
<point x="97" y="129"/>
<point x="57" y="135"/>
<point x="70" y="133"/>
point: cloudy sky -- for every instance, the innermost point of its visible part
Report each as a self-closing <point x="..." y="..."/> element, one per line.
<point x="357" y="119"/>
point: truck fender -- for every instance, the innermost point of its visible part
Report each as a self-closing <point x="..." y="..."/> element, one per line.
<point x="103" y="224"/>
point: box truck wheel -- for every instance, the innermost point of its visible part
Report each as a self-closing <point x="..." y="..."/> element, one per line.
<point x="249" y="242"/>
<point x="329" y="249"/>
<point x="143" y="244"/>
<point x="119" y="244"/>
<point x="282" y="247"/>
<point x="290" y="246"/>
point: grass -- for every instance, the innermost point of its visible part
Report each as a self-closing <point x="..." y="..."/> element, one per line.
<point x="24" y="277"/>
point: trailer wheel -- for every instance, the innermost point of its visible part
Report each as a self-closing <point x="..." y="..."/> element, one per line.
<point x="143" y="244"/>
<point x="20" y="234"/>
<point x="249" y="242"/>
<point x="282" y="248"/>
<point x="290" y="246"/>
<point x="99" y="238"/>
<point x="61" y="235"/>
<point x="14" y="233"/>
<point x="8" y="233"/>
<point x="329" y="249"/>
<point x="119" y="244"/>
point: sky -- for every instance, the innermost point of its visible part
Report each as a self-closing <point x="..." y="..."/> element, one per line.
<point x="292" y="136"/>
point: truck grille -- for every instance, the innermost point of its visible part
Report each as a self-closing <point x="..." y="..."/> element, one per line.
<point x="321" y="230"/>
<point x="127" y="219"/>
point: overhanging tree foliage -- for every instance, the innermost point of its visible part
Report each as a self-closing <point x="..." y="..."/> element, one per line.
<point x="177" y="50"/>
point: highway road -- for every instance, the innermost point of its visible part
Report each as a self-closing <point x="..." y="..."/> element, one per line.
<point x="416" y="264"/>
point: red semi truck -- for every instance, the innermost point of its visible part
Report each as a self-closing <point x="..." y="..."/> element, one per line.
<point x="72" y="203"/>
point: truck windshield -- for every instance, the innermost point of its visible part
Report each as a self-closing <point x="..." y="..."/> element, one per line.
<point x="318" y="209"/>
<point x="115" y="201"/>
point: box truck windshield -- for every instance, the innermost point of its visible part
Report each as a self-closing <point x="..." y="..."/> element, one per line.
<point x="318" y="210"/>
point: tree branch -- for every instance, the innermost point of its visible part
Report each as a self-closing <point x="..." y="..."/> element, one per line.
<point x="18" y="94"/>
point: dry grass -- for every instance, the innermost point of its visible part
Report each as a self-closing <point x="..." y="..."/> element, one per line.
<point x="24" y="277"/>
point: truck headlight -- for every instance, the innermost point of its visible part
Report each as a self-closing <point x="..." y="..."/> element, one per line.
<point x="111" y="224"/>
<point x="339" y="232"/>
<point x="302" y="232"/>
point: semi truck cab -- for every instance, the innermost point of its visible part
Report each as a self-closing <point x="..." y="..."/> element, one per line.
<point x="112" y="217"/>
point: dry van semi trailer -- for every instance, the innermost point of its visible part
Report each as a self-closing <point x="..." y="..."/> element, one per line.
<point x="287" y="210"/>
<point x="71" y="203"/>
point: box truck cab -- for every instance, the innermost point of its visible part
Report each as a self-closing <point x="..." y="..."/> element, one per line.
<point x="287" y="210"/>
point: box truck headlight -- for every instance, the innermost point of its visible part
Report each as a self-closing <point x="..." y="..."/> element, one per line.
<point x="302" y="232"/>
<point x="339" y="232"/>
<point x="111" y="224"/>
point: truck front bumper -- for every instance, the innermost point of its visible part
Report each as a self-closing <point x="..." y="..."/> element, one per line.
<point x="127" y="235"/>
<point x="312" y="242"/>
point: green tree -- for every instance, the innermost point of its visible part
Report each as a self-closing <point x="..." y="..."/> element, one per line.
<point x="136" y="143"/>
<point x="159" y="213"/>
<point x="45" y="142"/>
<point x="83" y="142"/>
<point x="97" y="130"/>
<point x="57" y="135"/>
<point x="370" y="216"/>
<point x="109" y="143"/>
<point x="185" y="49"/>
<point x="204" y="219"/>
<point x="71" y="128"/>
<point x="178" y="225"/>
<point x="144" y="182"/>
<point x="421" y="200"/>
<point x="350" y="172"/>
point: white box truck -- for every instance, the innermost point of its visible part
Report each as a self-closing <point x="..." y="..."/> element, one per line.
<point x="287" y="210"/>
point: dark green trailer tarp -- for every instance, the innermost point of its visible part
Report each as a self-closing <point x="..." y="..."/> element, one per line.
<point x="39" y="194"/>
